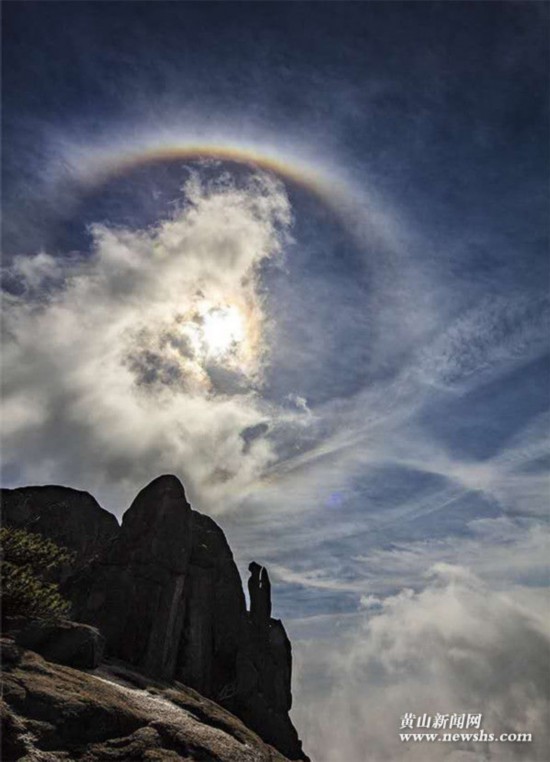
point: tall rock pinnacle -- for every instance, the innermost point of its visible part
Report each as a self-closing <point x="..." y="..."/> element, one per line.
<point x="165" y="592"/>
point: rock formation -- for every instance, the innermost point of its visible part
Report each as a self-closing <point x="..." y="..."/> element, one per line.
<point x="51" y="712"/>
<point x="67" y="516"/>
<point x="134" y="590"/>
<point x="166" y="594"/>
<point x="259" y="589"/>
<point x="69" y="643"/>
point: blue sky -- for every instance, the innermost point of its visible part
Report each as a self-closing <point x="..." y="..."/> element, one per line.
<point x="388" y="431"/>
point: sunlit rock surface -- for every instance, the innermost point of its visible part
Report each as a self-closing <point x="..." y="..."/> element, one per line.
<point x="51" y="712"/>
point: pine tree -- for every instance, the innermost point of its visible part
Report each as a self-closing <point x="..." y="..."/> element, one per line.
<point x="27" y="559"/>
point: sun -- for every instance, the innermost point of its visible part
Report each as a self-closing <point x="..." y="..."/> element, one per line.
<point x="214" y="334"/>
<point x="222" y="329"/>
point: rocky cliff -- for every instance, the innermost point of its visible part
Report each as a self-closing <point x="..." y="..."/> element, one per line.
<point x="51" y="713"/>
<point x="165" y="592"/>
<point x="69" y="517"/>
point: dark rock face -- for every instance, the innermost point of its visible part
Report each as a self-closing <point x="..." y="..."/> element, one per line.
<point x="134" y="591"/>
<point x="259" y="588"/>
<point x="266" y="663"/>
<point x="214" y="613"/>
<point x="70" y="643"/>
<point x="165" y="592"/>
<point x="69" y="517"/>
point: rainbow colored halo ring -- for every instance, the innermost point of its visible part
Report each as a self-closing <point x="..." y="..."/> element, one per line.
<point x="99" y="165"/>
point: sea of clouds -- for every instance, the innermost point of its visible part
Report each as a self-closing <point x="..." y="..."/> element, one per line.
<point x="454" y="646"/>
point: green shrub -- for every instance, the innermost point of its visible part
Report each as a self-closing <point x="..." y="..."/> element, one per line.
<point x="27" y="559"/>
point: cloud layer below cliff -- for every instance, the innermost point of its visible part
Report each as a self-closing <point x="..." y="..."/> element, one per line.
<point x="454" y="647"/>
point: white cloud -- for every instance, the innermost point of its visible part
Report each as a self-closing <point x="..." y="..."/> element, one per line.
<point x="314" y="579"/>
<point x="501" y="550"/>
<point x="495" y="333"/>
<point x="107" y="382"/>
<point x="456" y="646"/>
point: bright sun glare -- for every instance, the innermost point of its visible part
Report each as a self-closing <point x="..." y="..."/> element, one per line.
<point x="222" y="329"/>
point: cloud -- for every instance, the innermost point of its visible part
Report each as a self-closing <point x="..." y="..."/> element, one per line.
<point x="496" y="332"/>
<point x="111" y="376"/>
<point x="501" y="550"/>
<point x="455" y="646"/>
<point x="371" y="455"/>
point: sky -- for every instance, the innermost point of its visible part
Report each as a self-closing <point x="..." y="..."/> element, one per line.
<point x="297" y="254"/>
